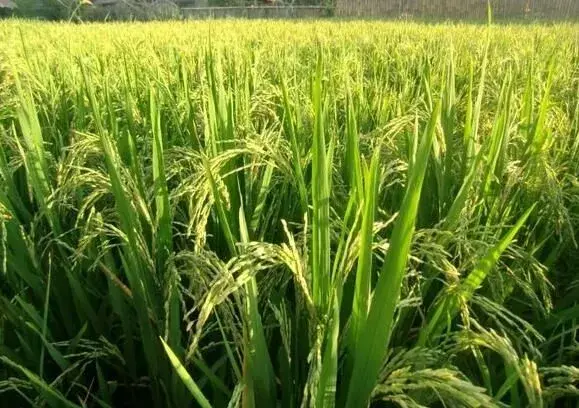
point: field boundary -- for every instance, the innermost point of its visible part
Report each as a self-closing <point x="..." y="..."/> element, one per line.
<point x="257" y="12"/>
<point x="459" y="9"/>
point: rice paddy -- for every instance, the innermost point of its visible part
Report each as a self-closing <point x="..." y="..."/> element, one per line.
<point x="285" y="214"/>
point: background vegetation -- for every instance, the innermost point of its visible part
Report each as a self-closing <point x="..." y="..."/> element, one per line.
<point x="79" y="10"/>
<point x="288" y="214"/>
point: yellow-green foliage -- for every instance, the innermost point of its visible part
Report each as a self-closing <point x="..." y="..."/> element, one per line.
<point x="262" y="214"/>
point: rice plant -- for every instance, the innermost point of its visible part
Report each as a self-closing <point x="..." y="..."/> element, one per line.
<point x="289" y="214"/>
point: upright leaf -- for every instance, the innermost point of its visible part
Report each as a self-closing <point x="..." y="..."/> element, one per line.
<point x="371" y="351"/>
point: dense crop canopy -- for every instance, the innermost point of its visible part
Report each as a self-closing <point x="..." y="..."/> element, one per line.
<point x="284" y="214"/>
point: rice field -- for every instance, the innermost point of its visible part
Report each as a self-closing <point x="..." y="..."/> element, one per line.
<point x="289" y="214"/>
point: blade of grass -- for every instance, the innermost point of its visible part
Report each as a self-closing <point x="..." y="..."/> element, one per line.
<point x="363" y="287"/>
<point x="320" y="199"/>
<point x="163" y="211"/>
<point x="258" y="362"/>
<point x="290" y="128"/>
<point x="370" y="353"/>
<point x="185" y="377"/>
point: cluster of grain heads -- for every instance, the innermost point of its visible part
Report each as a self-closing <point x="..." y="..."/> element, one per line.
<point x="288" y="214"/>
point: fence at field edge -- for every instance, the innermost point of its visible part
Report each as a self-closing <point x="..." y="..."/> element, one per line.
<point x="257" y="12"/>
<point x="391" y="9"/>
<point x="461" y="9"/>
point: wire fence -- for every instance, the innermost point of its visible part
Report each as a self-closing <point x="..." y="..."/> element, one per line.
<point x="462" y="9"/>
<point x="268" y="11"/>
<point x="440" y="9"/>
<point x="390" y="9"/>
